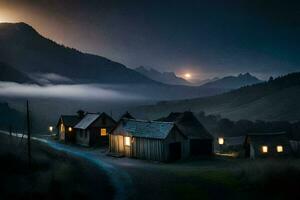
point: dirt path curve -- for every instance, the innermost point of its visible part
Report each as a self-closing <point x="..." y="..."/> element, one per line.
<point x="120" y="180"/>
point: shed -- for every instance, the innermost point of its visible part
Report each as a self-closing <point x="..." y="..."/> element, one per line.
<point x="65" y="127"/>
<point x="200" y="141"/>
<point x="150" y="140"/>
<point x="93" y="129"/>
<point x="273" y="144"/>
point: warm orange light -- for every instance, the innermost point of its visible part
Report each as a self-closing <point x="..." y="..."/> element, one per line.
<point x="103" y="132"/>
<point x="264" y="149"/>
<point x="279" y="149"/>
<point x="127" y="141"/>
<point x="221" y="141"/>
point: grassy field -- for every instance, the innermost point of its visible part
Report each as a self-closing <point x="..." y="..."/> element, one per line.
<point x="217" y="178"/>
<point x="53" y="175"/>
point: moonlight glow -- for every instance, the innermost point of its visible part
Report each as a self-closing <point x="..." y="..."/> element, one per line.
<point x="187" y="75"/>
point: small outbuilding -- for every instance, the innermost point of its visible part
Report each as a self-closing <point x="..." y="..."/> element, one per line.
<point x="149" y="140"/>
<point x="93" y="129"/>
<point x="65" y="127"/>
<point x="200" y="141"/>
<point x="259" y="145"/>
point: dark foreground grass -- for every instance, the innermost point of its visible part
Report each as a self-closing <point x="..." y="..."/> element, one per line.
<point x="53" y="175"/>
<point x="239" y="179"/>
<point x="219" y="178"/>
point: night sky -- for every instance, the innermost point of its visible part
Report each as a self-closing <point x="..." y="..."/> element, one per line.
<point x="206" y="38"/>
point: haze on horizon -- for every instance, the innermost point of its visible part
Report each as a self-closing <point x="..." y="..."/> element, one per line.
<point x="203" y="38"/>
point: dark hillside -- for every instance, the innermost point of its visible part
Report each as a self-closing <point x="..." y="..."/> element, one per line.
<point x="24" y="48"/>
<point x="273" y="100"/>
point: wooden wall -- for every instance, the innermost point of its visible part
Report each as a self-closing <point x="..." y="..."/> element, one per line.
<point x="176" y="136"/>
<point x="84" y="138"/>
<point x="147" y="148"/>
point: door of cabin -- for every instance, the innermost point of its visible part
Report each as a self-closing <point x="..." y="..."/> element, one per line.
<point x="121" y="144"/>
<point x="175" y="151"/>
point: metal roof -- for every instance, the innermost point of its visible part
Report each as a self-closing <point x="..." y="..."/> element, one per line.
<point x="87" y="121"/>
<point x="147" y="129"/>
<point x="69" y="120"/>
<point x="189" y="125"/>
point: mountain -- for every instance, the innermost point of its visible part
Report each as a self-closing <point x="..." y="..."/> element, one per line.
<point x="10" y="74"/>
<point x="24" y="48"/>
<point x="10" y="117"/>
<point x="273" y="100"/>
<point x="233" y="82"/>
<point x="202" y="82"/>
<point x="163" y="77"/>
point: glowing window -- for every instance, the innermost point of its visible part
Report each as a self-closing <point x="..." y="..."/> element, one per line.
<point x="127" y="141"/>
<point x="62" y="128"/>
<point x="264" y="149"/>
<point x="221" y="140"/>
<point x="103" y="132"/>
<point x="70" y="129"/>
<point x="279" y="148"/>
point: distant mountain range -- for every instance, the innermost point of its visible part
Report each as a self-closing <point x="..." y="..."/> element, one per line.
<point x="273" y="100"/>
<point x="31" y="57"/>
<point x="163" y="77"/>
<point x="232" y="82"/>
<point x="10" y="74"/>
<point x="26" y="50"/>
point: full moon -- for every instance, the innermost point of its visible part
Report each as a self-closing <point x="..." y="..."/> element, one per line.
<point x="187" y="75"/>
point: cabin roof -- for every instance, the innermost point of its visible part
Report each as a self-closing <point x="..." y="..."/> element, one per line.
<point x="147" y="129"/>
<point x="188" y="124"/>
<point x="87" y="120"/>
<point x="267" y="138"/>
<point x="69" y="120"/>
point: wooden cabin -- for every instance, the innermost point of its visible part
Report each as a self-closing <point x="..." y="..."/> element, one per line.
<point x="93" y="129"/>
<point x="200" y="141"/>
<point x="149" y="140"/>
<point x="260" y="145"/>
<point x="65" y="127"/>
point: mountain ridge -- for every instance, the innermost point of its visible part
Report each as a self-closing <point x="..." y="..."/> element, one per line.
<point x="10" y="74"/>
<point x="272" y="100"/>
<point x="163" y="77"/>
<point x="35" y="53"/>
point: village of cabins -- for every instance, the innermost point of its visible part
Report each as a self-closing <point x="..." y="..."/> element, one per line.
<point x="177" y="136"/>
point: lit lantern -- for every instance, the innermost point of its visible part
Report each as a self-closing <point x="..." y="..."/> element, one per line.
<point x="50" y="128"/>
<point x="127" y="141"/>
<point x="70" y="129"/>
<point x="279" y="148"/>
<point x="221" y="141"/>
<point x="264" y="149"/>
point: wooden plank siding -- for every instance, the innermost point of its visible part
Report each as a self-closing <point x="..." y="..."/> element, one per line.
<point x="147" y="148"/>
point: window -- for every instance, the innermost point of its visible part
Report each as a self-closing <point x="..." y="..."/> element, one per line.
<point x="62" y="128"/>
<point x="264" y="149"/>
<point x="127" y="141"/>
<point x="103" y="132"/>
<point x="279" y="148"/>
<point x="221" y="140"/>
<point x="70" y="129"/>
